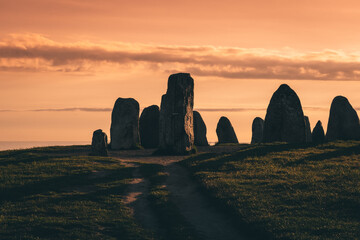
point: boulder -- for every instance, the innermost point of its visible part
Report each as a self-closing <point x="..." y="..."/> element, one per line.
<point x="308" y="137"/>
<point x="225" y="131"/>
<point x="176" y="116"/>
<point x="199" y="130"/>
<point x="343" y="121"/>
<point x="318" y="135"/>
<point x="99" y="143"/>
<point x="149" y="127"/>
<point x="284" y="121"/>
<point x="124" y="131"/>
<point x="257" y="130"/>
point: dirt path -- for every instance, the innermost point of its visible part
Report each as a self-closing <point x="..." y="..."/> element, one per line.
<point x="136" y="198"/>
<point x="196" y="208"/>
<point x="209" y="222"/>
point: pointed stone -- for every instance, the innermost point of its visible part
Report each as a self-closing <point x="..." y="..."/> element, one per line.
<point x="343" y="121"/>
<point x="307" y="130"/>
<point x="124" y="131"/>
<point x="318" y="135"/>
<point x="176" y="115"/>
<point x="284" y="121"/>
<point x="257" y="130"/>
<point x="199" y="130"/>
<point x="149" y="127"/>
<point x="225" y="131"/>
<point x="99" y="143"/>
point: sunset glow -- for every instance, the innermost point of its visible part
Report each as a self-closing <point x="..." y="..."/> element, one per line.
<point x="64" y="63"/>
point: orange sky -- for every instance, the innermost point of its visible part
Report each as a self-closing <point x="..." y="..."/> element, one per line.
<point x="78" y="57"/>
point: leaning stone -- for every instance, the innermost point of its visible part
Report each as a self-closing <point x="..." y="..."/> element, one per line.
<point x="176" y="116"/>
<point x="257" y="130"/>
<point x="284" y="121"/>
<point x="99" y="143"/>
<point x="149" y="127"/>
<point x="225" y="131"/>
<point x="199" y="130"/>
<point x="308" y="137"/>
<point x="343" y="121"/>
<point x="124" y="131"/>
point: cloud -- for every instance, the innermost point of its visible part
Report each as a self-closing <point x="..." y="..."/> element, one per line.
<point x="32" y="52"/>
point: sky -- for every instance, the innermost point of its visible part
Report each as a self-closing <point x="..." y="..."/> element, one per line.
<point x="63" y="63"/>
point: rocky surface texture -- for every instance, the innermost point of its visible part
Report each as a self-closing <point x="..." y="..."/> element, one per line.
<point x="257" y="130"/>
<point x="318" y="134"/>
<point x="284" y="121"/>
<point x="149" y="127"/>
<point x="225" y="131"/>
<point x="176" y="115"/>
<point x="308" y="137"/>
<point x="99" y="143"/>
<point x="199" y="130"/>
<point x="124" y="131"/>
<point x="343" y="121"/>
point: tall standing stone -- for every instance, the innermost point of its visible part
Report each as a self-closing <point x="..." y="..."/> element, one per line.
<point x="199" y="130"/>
<point x="225" y="131"/>
<point x="343" y="121"/>
<point x="149" y="127"/>
<point x="124" y="131"/>
<point x="257" y="130"/>
<point x="176" y="115"/>
<point x="99" y="143"/>
<point x="318" y="135"/>
<point x="308" y="137"/>
<point x="284" y="121"/>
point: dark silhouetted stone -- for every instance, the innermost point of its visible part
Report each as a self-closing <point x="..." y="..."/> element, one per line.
<point x="225" y="131"/>
<point x="284" y="121"/>
<point x="99" y="143"/>
<point x="149" y="127"/>
<point x="124" y="131"/>
<point x="199" y="130"/>
<point x="343" y="121"/>
<point x="308" y="137"/>
<point x="257" y="130"/>
<point x="176" y="115"/>
<point x="318" y="135"/>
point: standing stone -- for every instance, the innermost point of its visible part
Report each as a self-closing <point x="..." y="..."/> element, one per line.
<point x="199" y="130"/>
<point x="99" y="143"/>
<point x="225" y="131"/>
<point x="149" y="127"/>
<point x="318" y="135"/>
<point x="176" y="115"/>
<point x="257" y="130"/>
<point x="124" y="131"/>
<point x="308" y="137"/>
<point x="343" y="121"/>
<point x="284" y="121"/>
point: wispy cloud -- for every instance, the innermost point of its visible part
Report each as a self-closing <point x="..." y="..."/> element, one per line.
<point x="37" y="53"/>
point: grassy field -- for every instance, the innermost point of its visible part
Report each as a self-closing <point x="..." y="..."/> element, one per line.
<point x="47" y="194"/>
<point x="284" y="191"/>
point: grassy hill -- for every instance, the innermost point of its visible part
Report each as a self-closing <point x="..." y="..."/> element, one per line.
<point x="287" y="191"/>
<point x="278" y="191"/>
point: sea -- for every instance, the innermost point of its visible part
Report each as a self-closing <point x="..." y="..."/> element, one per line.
<point x="12" y="145"/>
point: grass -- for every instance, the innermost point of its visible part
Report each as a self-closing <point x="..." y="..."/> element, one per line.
<point x="285" y="191"/>
<point x="49" y="193"/>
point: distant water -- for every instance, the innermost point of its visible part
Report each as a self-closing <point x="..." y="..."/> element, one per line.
<point x="10" y="145"/>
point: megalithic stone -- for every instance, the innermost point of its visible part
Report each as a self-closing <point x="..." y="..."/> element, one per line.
<point x="199" y="130"/>
<point x="225" y="131"/>
<point x="284" y="121"/>
<point x="343" y="121"/>
<point x="176" y="115"/>
<point x="257" y="130"/>
<point x="124" y="131"/>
